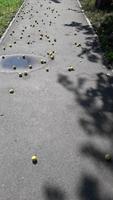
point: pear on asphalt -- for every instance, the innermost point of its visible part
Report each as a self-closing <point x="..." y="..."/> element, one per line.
<point x="11" y="91"/>
<point x="14" y="67"/>
<point x="25" y="73"/>
<point x="47" y="70"/>
<point x="10" y="45"/>
<point x="34" y="159"/>
<point x="79" y="45"/>
<point x="108" y="157"/>
<point x="20" y="75"/>
<point x="70" y="68"/>
<point x="42" y="61"/>
<point x="52" y="57"/>
<point x="30" y="67"/>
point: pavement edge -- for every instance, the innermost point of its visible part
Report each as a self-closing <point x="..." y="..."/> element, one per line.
<point x="13" y="20"/>
<point x="88" y="21"/>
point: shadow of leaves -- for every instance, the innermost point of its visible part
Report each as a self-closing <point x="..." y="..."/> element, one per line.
<point x="89" y="189"/>
<point x="52" y="192"/>
<point x="92" y="48"/>
<point x="56" y="1"/>
<point x="90" y="151"/>
<point x="97" y="104"/>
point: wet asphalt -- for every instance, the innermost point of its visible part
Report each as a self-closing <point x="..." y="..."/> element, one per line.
<point x="50" y="60"/>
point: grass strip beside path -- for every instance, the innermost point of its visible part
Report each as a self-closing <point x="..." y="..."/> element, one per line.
<point x="8" y="9"/>
<point x="102" y="21"/>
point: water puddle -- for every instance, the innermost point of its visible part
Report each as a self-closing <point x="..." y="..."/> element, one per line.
<point x="19" y="63"/>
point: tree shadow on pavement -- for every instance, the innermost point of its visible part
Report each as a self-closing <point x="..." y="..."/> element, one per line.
<point x="80" y="27"/>
<point x="75" y="10"/>
<point x="89" y="189"/>
<point x="97" y="155"/>
<point x="53" y="193"/>
<point x="97" y="119"/>
<point x="91" y="48"/>
<point x="97" y="103"/>
<point x="56" y="1"/>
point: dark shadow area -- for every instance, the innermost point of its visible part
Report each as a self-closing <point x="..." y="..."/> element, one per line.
<point x="75" y="10"/>
<point x="97" y="155"/>
<point x="56" y="1"/>
<point x="108" y="8"/>
<point x="89" y="189"/>
<point x="91" y="56"/>
<point x="52" y="192"/>
<point x="97" y="104"/>
<point x="80" y="27"/>
<point x="105" y="32"/>
<point x="106" y="5"/>
<point x="92" y="48"/>
<point x="64" y="81"/>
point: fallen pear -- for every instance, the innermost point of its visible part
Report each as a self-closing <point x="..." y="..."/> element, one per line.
<point x="11" y="91"/>
<point x="25" y="73"/>
<point x="30" y="67"/>
<point x="70" y="68"/>
<point x="47" y="70"/>
<point x="50" y="53"/>
<point x="34" y="159"/>
<point x="108" y="157"/>
<point x="52" y="57"/>
<point x="14" y="67"/>
<point x="20" y="74"/>
<point x="10" y="45"/>
<point x="42" y="62"/>
<point x="78" y="45"/>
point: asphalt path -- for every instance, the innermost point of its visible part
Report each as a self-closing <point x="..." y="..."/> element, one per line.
<point x="60" y="110"/>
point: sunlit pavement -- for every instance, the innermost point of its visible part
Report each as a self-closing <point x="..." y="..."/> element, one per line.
<point x="54" y="132"/>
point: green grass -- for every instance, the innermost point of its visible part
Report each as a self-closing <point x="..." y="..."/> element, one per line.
<point x="8" y="8"/>
<point x="95" y="15"/>
<point x="102" y="21"/>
